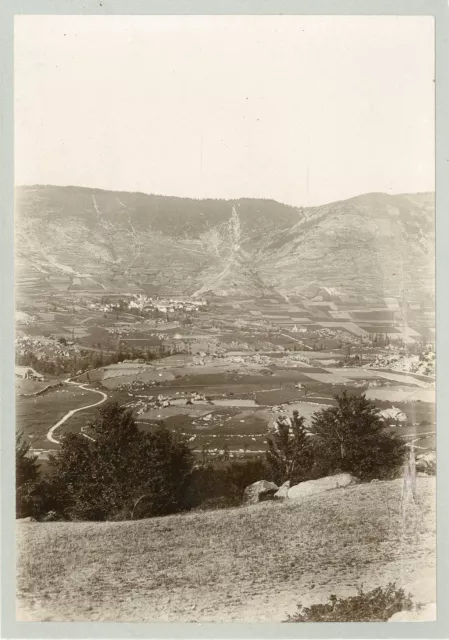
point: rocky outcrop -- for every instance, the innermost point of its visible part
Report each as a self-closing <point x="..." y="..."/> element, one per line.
<point x="428" y="613"/>
<point x="426" y="463"/>
<point x="312" y="487"/>
<point x="259" y="491"/>
<point x="282" y="492"/>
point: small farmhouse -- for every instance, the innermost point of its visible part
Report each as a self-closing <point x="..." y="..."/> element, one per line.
<point x="28" y="373"/>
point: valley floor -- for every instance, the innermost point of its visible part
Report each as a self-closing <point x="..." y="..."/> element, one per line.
<point x="249" y="564"/>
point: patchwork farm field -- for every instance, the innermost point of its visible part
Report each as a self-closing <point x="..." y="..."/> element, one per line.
<point x="239" y="405"/>
<point x="247" y="375"/>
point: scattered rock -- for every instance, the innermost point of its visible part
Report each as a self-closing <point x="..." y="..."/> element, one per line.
<point x="428" y="613"/>
<point x="282" y="492"/>
<point x="259" y="491"/>
<point x="312" y="487"/>
<point x="427" y="462"/>
<point x="29" y="519"/>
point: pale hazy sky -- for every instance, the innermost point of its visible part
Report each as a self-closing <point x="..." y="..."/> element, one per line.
<point x="302" y="109"/>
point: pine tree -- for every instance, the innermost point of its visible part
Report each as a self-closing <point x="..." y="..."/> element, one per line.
<point x="289" y="455"/>
<point x="352" y="437"/>
<point x="103" y="477"/>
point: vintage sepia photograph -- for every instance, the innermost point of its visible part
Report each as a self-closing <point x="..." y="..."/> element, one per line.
<point x="225" y="318"/>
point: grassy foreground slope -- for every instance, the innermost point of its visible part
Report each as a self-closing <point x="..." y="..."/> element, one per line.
<point x="250" y="564"/>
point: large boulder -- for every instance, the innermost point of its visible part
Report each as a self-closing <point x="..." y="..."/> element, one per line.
<point x="259" y="491"/>
<point x="426" y="463"/>
<point x="427" y="613"/>
<point x="51" y="516"/>
<point x="282" y="492"/>
<point x="312" y="487"/>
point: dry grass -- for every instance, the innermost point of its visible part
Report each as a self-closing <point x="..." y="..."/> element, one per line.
<point x="245" y="564"/>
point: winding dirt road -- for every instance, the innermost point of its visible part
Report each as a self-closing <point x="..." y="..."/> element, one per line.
<point x="69" y="414"/>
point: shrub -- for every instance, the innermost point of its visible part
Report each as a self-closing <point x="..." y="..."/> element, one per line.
<point x="220" y="502"/>
<point x="223" y="482"/>
<point x="377" y="605"/>
<point x="241" y="474"/>
<point x="352" y="437"/>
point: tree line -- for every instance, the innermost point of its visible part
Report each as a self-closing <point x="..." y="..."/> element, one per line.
<point x="123" y="473"/>
<point x="86" y="360"/>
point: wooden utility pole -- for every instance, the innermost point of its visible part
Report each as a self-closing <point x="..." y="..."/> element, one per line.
<point x="403" y="302"/>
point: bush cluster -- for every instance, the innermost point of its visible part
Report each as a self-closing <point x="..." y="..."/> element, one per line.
<point x="378" y="605"/>
<point x="221" y="485"/>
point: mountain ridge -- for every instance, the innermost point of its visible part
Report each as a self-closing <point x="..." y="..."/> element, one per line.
<point x="19" y="187"/>
<point x="374" y="243"/>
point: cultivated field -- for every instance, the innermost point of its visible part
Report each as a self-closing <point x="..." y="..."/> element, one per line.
<point x="240" y="400"/>
<point x="252" y="359"/>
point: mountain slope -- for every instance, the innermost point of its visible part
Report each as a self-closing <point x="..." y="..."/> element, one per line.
<point x="373" y="244"/>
